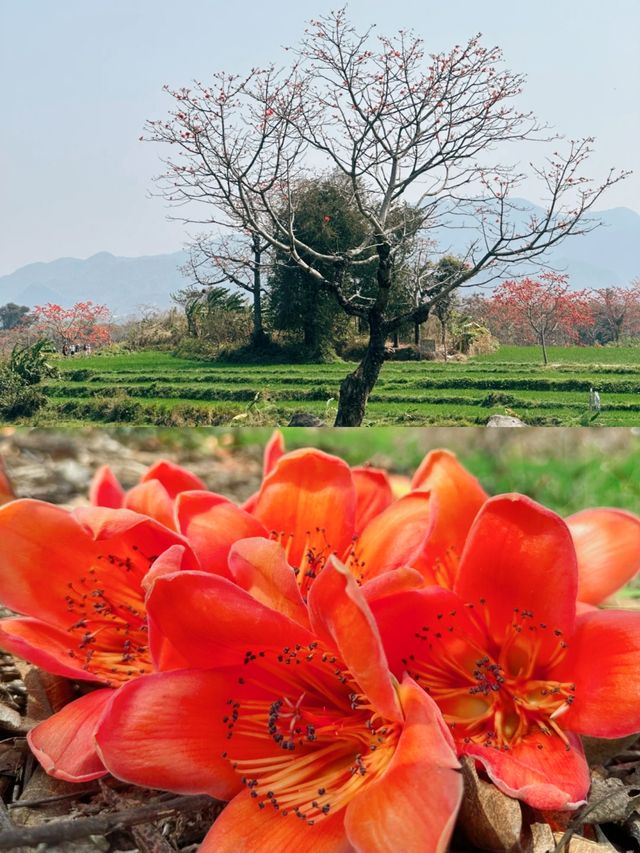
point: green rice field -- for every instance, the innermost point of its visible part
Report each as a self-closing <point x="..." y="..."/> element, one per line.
<point x="159" y="389"/>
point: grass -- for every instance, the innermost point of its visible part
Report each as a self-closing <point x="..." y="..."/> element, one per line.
<point x="157" y="388"/>
<point x="576" y="355"/>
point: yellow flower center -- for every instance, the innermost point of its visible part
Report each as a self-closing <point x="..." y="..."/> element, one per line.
<point x="310" y="747"/>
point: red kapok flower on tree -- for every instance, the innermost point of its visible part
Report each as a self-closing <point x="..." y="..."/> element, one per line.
<point x="78" y="576"/>
<point x="517" y="676"/>
<point x="304" y="730"/>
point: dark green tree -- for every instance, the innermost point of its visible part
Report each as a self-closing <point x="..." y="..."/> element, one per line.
<point x="447" y="270"/>
<point x="327" y="216"/>
<point x="12" y="315"/>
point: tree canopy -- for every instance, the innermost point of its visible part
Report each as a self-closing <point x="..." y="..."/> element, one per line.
<point x="409" y="132"/>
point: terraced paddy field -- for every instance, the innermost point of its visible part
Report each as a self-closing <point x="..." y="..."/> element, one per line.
<point x="157" y="388"/>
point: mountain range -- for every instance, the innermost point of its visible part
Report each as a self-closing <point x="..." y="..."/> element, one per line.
<point x="604" y="257"/>
<point x="124" y="284"/>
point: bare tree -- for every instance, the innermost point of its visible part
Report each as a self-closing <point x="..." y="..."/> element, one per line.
<point x="228" y="260"/>
<point x="409" y="131"/>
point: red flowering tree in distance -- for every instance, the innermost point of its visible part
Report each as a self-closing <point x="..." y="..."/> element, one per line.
<point x="411" y="133"/>
<point x="85" y="323"/>
<point x="618" y="309"/>
<point x="539" y="309"/>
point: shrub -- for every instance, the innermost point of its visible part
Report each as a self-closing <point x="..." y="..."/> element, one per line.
<point x="17" y="398"/>
<point x="30" y="363"/>
<point x="196" y="348"/>
<point x="271" y="352"/>
<point x="404" y="353"/>
<point x="497" y="398"/>
<point x="353" y="352"/>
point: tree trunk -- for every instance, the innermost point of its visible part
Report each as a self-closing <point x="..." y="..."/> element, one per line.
<point x="617" y="329"/>
<point x="258" y="336"/>
<point x="356" y="387"/>
<point x="396" y="339"/>
<point x="416" y="333"/>
<point x="544" y="349"/>
<point x="444" y="340"/>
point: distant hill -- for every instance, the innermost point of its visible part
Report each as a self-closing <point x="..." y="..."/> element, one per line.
<point x="607" y="256"/>
<point x="124" y="284"/>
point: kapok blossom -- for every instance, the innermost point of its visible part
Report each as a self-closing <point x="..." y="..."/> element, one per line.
<point x="304" y="730"/>
<point x="517" y="676"/>
<point x="153" y="496"/>
<point x="308" y="504"/>
<point x="79" y="578"/>
<point x="607" y="541"/>
<point x="316" y="506"/>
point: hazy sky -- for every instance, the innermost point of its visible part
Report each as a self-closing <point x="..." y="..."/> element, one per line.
<point x="79" y="77"/>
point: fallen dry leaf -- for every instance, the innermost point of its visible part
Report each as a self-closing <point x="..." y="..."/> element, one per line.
<point x="610" y="801"/>
<point x="490" y="820"/>
<point x="541" y="839"/>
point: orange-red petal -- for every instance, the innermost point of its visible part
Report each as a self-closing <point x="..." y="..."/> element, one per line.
<point x="173" y="477"/>
<point x="43" y="550"/>
<point x="340" y="615"/>
<point x="273" y="451"/>
<point x="245" y="828"/>
<point x="132" y="529"/>
<point x="607" y="543"/>
<point x="603" y="660"/>
<point x="412" y="806"/>
<point x="105" y="489"/>
<point x="540" y="770"/>
<point x="395" y="537"/>
<point x="151" y="499"/>
<point x="210" y="621"/>
<point x="373" y="494"/>
<point x="64" y="743"/>
<point x="391" y="583"/>
<point x="309" y="500"/>
<point x="519" y="560"/>
<point x="460" y="494"/>
<point x="162" y="731"/>
<point x="211" y="523"/>
<point x="458" y="498"/>
<point x="47" y="646"/>
<point x="170" y="561"/>
<point x="260" y="566"/>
